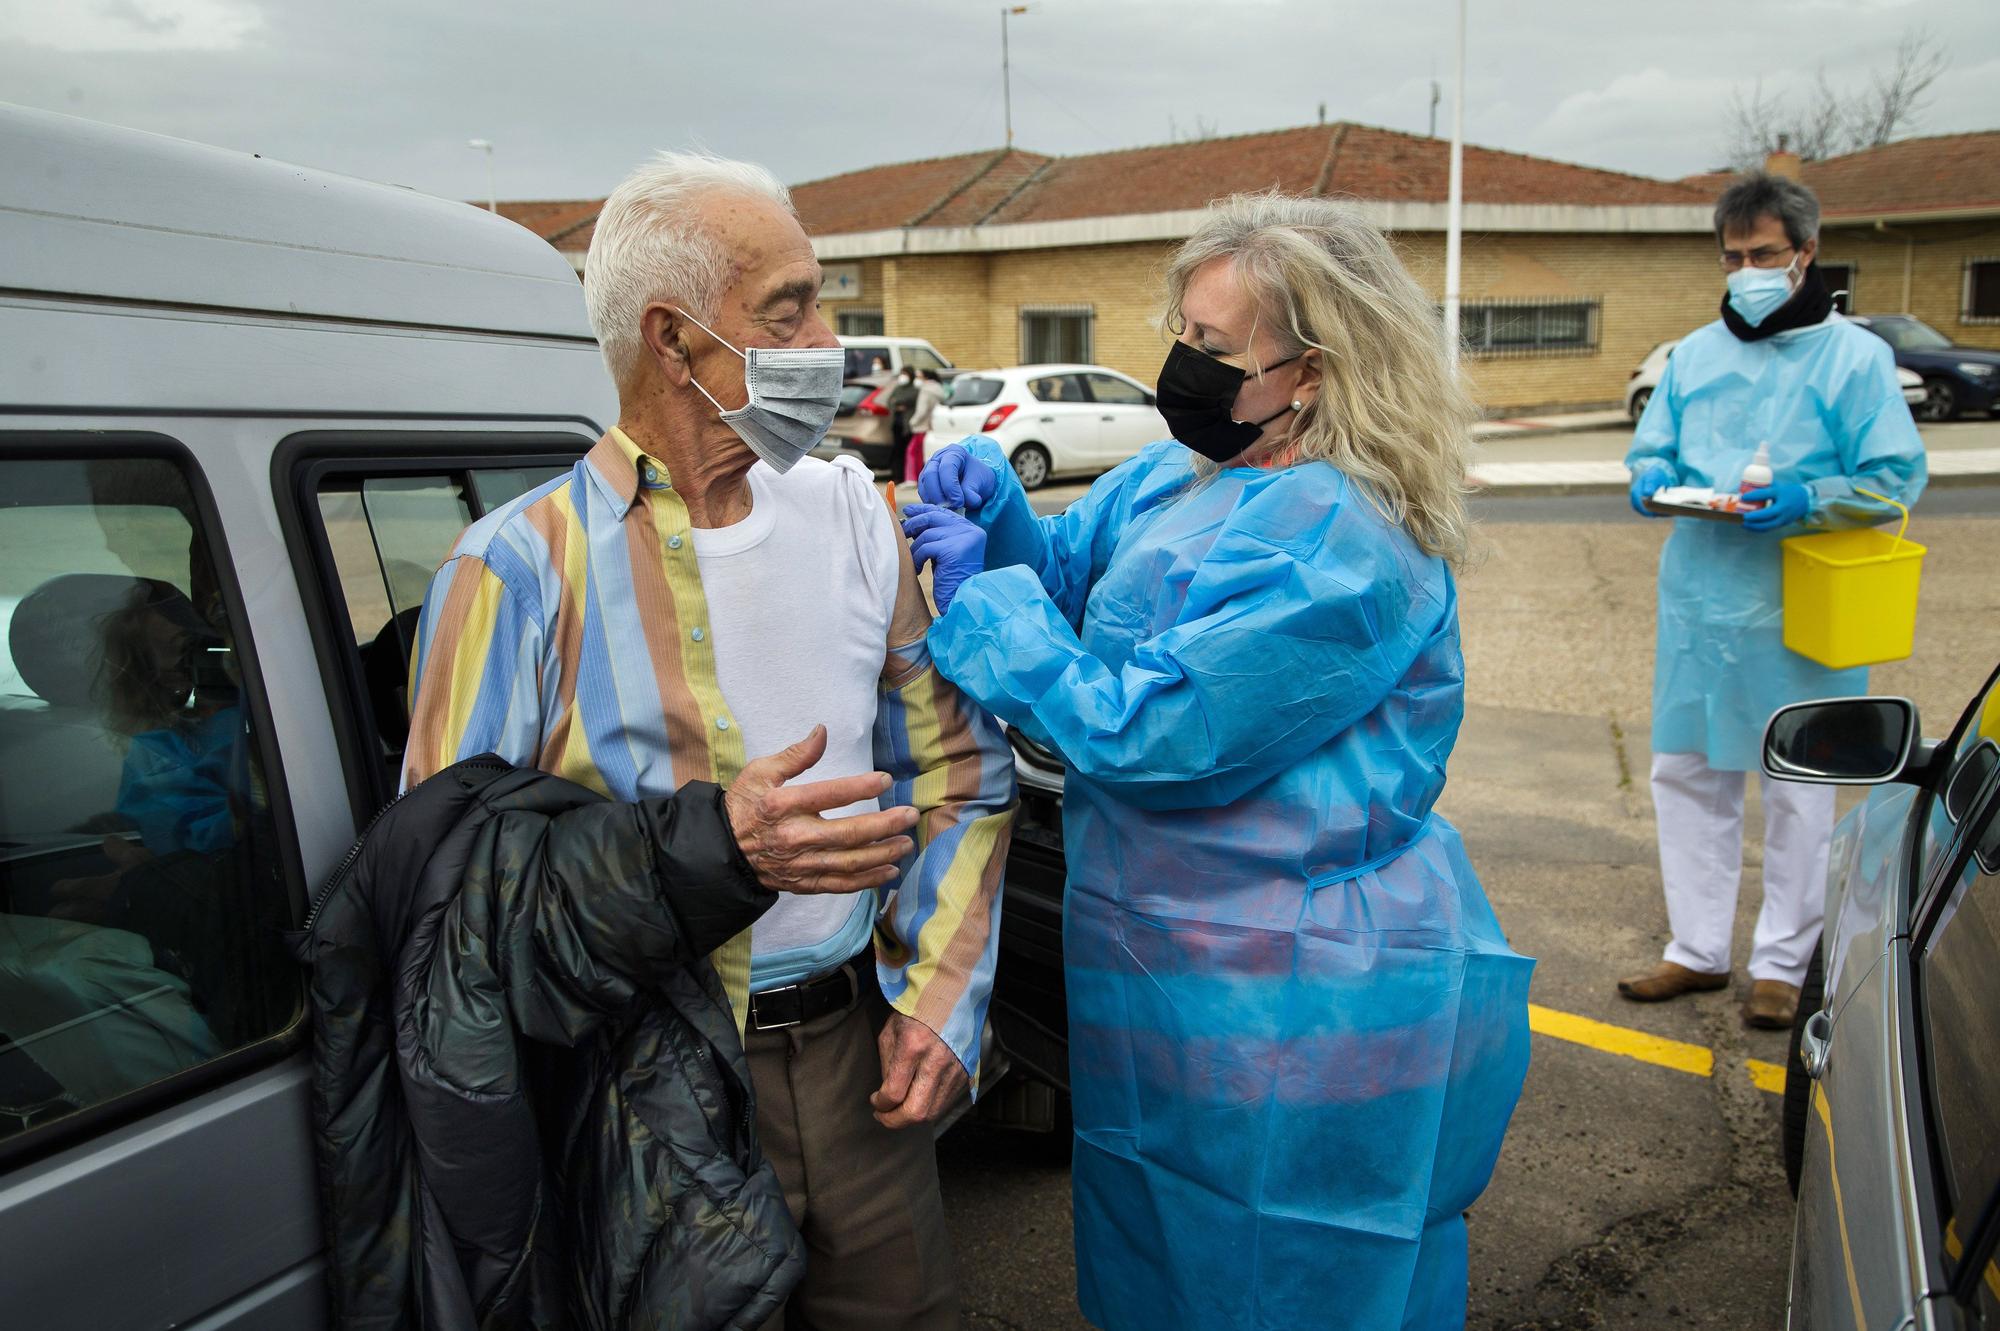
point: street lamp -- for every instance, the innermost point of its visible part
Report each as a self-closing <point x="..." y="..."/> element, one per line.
<point x="486" y="146"/>
<point x="1006" y="74"/>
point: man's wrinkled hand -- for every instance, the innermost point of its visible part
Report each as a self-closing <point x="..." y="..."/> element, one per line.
<point x="921" y="1077"/>
<point x="792" y="847"/>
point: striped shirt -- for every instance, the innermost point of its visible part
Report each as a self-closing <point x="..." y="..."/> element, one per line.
<point x="556" y="635"/>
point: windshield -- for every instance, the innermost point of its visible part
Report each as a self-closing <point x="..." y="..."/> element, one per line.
<point x="1910" y="335"/>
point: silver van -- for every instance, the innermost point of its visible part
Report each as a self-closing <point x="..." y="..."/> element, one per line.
<point x="244" y="410"/>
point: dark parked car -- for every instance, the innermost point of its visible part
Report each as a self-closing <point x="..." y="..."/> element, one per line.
<point x="1891" y="1137"/>
<point x="1958" y="378"/>
<point x="1029" y="1013"/>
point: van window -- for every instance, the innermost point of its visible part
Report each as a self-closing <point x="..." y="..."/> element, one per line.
<point x="923" y="358"/>
<point x="387" y="524"/>
<point x="142" y="898"/>
<point x="861" y="361"/>
<point x="388" y="535"/>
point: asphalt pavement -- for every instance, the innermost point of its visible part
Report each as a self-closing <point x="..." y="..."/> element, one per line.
<point x="1631" y="1193"/>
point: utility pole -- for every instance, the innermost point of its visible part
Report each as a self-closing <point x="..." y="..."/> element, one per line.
<point x="1455" y="205"/>
<point x="484" y="145"/>
<point x="1006" y="73"/>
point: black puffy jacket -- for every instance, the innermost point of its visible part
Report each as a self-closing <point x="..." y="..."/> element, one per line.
<point x="531" y="1104"/>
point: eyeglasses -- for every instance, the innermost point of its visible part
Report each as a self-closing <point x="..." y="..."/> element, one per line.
<point x="1767" y="257"/>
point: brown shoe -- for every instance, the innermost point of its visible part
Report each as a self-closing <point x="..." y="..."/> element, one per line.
<point x="1773" y="1005"/>
<point x="1669" y="980"/>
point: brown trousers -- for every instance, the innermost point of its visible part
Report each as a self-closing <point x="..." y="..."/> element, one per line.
<point x="865" y="1197"/>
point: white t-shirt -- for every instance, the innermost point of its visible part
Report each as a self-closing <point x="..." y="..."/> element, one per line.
<point x="800" y="595"/>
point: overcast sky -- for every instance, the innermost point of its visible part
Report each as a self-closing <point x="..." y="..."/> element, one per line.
<point x="573" y="94"/>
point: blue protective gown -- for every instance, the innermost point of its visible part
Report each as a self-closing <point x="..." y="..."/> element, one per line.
<point x="1296" y="1029"/>
<point x="1826" y="400"/>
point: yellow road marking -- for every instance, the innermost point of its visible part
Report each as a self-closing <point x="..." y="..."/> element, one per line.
<point x="1655" y="1049"/>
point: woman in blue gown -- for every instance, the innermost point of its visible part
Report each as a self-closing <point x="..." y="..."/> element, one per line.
<point x="1296" y="1029"/>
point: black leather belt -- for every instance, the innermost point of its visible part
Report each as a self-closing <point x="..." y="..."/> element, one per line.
<point x="810" y="999"/>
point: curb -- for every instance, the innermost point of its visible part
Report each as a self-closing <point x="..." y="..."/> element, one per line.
<point x="1492" y="431"/>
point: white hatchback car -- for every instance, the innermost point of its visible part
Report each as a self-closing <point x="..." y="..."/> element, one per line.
<point x="1051" y="420"/>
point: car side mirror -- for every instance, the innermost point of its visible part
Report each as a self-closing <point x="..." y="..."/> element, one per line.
<point x="1843" y="742"/>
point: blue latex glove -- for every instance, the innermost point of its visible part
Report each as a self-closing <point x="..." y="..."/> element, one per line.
<point x="1644" y="484"/>
<point x="953" y="478"/>
<point x="955" y="545"/>
<point x="1785" y="504"/>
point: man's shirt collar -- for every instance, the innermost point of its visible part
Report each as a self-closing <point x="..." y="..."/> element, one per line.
<point x="621" y="469"/>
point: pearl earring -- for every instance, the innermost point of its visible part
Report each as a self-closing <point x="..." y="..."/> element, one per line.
<point x="1298" y="405"/>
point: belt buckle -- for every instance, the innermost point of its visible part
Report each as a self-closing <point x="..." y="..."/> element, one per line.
<point x="761" y="1001"/>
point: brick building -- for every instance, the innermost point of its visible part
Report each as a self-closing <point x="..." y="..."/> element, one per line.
<point x="1571" y="274"/>
<point x="1912" y="227"/>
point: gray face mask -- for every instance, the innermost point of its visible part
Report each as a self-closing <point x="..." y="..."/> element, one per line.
<point x="794" y="393"/>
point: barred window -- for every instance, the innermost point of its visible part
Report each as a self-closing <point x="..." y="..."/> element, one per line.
<point x="859" y="323"/>
<point x="1528" y="327"/>
<point x="1056" y="334"/>
<point x="1982" y="292"/>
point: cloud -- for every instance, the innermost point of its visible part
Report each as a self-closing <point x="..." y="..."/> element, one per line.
<point x="131" y="25"/>
<point x="1662" y="123"/>
<point x="573" y="95"/>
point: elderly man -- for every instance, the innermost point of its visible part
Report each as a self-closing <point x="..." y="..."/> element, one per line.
<point x="1782" y="372"/>
<point x="698" y="593"/>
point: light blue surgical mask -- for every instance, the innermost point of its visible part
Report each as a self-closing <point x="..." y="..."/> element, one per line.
<point x="794" y="393"/>
<point x="1756" y="293"/>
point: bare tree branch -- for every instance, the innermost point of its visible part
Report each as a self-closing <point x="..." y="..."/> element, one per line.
<point x="1895" y="99"/>
<point x="1825" y="122"/>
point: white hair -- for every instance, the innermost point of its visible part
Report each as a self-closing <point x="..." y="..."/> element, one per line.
<point x="649" y="245"/>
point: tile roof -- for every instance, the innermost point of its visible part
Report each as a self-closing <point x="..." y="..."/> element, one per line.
<point x="1358" y="161"/>
<point x="1011" y="185"/>
<point x="554" y="220"/>
<point x="1942" y="171"/>
<point x="1911" y="175"/>
<point x="912" y="193"/>
<point x="1711" y="183"/>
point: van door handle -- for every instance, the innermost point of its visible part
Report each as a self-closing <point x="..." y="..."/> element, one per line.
<point x="1107" y="418"/>
<point x="1816" y="1044"/>
<point x="1046" y="420"/>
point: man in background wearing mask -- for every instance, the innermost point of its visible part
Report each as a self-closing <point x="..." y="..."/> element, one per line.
<point x="1782" y="370"/>
<point x="698" y="593"/>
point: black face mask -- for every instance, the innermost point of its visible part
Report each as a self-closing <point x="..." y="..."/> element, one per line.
<point x="1196" y="392"/>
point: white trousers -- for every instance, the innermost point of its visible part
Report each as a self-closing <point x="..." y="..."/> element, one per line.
<point x="1700" y="814"/>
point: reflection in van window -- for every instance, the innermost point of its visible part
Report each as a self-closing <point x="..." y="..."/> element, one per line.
<point x="388" y="535"/>
<point x="141" y="899"/>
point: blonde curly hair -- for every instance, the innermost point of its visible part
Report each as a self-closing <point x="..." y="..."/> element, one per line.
<point x="1392" y="411"/>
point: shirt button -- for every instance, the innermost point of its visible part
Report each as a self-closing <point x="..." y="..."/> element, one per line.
<point x="722" y="723"/>
<point x="699" y="635"/>
<point x="652" y="474"/>
<point x="673" y="543"/>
